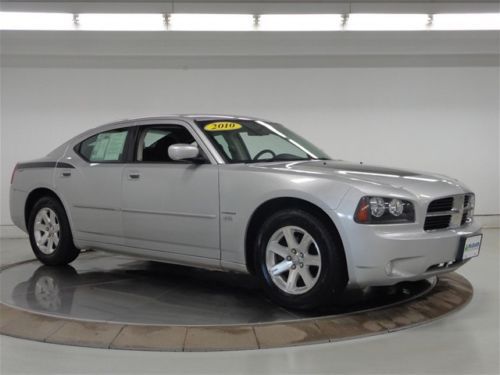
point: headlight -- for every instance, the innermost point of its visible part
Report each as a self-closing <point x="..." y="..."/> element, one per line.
<point x="396" y="207"/>
<point x="377" y="206"/>
<point x="380" y="210"/>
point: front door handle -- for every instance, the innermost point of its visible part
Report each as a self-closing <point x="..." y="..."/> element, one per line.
<point x="134" y="176"/>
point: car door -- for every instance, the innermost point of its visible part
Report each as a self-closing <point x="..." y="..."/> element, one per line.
<point x="92" y="188"/>
<point x="171" y="207"/>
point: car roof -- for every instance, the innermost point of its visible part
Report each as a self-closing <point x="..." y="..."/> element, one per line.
<point x="195" y="117"/>
<point x="130" y="121"/>
<point x="186" y="117"/>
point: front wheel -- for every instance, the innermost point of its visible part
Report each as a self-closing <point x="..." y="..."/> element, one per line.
<point x="50" y="233"/>
<point x="299" y="260"/>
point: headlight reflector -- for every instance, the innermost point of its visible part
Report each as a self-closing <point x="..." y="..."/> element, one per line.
<point x="380" y="210"/>
<point x="377" y="206"/>
<point x="396" y="207"/>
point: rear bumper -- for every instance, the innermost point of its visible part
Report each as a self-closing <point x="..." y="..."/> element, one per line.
<point x="389" y="254"/>
<point x="17" y="201"/>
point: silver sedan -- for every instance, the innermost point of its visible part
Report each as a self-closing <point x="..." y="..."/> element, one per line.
<point x="242" y="194"/>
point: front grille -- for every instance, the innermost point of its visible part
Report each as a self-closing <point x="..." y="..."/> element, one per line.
<point x="466" y="200"/>
<point x="449" y="212"/>
<point x="444" y="204"/>
<point x="437" y="222"/>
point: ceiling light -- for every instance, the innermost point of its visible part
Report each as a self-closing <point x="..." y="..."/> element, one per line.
<point x="36" y="21"/>
<point x="469" y="21"/>
<point x="300" y="22"/>
<point x="211" y="22"/>
<point x="121" y="22"/>
<point x="386" y="22"/>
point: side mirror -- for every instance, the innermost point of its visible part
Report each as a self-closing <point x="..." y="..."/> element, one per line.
<point x="183" y="151"/>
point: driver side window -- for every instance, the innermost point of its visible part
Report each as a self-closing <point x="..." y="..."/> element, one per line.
<point x="153" y="142"/>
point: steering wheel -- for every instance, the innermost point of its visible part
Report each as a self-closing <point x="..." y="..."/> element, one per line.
<point x="266" y="151"/>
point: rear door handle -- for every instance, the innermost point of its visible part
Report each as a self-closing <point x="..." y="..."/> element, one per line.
<point x="134" y="176"/>
<point x="66" y="174"/>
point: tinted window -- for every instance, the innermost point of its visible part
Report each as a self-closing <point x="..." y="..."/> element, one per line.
<point x="153" y="142"/>
<point x="221" y="141"/>
<point x="104" y="147"/>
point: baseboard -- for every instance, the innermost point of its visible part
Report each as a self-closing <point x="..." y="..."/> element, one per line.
<point x="489" y="221"/>
<point x="11" y="231"/>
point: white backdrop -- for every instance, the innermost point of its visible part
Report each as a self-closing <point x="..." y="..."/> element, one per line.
<point x="441" y="119"/>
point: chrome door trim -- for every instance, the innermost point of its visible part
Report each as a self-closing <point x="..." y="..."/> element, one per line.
<point x="167" y="213"/>
<point x="96" y="208"/>
<point x="170" y="213"/>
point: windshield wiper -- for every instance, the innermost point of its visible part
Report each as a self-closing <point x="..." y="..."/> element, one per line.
<point x="271" y="160"/>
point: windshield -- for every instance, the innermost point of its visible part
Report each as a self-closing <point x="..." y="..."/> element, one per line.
<point x="248" y="141"/>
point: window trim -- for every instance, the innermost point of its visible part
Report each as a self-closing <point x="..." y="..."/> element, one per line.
<point x="125" y="153"/>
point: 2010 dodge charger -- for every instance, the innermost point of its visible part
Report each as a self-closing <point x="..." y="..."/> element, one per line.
<point x="242" y="194"/>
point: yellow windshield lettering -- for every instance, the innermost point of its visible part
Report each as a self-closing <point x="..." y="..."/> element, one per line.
<point x="222" y="126"/>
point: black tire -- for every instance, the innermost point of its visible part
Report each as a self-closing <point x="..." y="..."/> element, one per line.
<point x="332" y="278"/>
<point x="65" y="252"/>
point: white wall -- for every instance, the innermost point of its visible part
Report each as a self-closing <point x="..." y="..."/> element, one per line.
<point x="443" y="118"/>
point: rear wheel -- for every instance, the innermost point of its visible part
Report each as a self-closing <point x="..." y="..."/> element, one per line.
<point x="299" y="261"/>
<point x="50" y="234"/>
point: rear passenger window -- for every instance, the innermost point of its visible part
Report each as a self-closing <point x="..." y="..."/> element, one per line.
<point x="104" y="147"/>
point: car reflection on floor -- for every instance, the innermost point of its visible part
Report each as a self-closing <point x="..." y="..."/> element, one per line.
<point x="120" y="289"/>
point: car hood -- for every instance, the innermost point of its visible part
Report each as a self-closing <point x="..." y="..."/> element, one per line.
<point x="369" y="177"/>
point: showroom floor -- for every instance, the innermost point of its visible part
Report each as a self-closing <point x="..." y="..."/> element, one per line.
<point x="463" y="343"/>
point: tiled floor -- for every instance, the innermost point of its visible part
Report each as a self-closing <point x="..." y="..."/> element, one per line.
<point x="464" y="343"/>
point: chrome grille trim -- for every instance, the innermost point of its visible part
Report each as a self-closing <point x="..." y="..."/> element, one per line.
<point x="442" y="213"/>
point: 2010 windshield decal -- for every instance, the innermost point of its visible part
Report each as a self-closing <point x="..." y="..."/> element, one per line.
<point x="222" y="126"/>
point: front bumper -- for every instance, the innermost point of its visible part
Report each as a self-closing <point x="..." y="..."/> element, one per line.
<point x="388" y="254"/>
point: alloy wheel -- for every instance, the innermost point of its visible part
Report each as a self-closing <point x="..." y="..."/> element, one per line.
<point x="47" y="230"/>
<point x="293" y="260"/>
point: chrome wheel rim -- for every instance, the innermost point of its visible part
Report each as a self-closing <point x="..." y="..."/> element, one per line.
<point x="293" y="260"/>
<point x="47" y="230"/>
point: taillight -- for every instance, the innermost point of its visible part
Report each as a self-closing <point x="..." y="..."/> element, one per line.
<point x="13" y="173"/>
